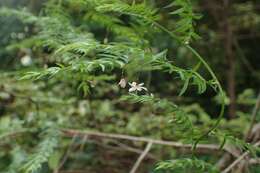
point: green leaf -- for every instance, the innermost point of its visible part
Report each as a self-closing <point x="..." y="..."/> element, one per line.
<point x="185" y="86"/>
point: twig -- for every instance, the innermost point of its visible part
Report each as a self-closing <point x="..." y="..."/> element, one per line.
<point x="132" y="149"/>
<point x="253" y="119"/>
<point x="241" y="157"/>
<point x="243" y="57"/>
<point x="14" y="133"/>
<point x="121" y="147"/>
<point x="141" y="157"/>
<point x="206" y="147"/>
<point x="254" y="161"/>
<point x="230" y="167"/>
<point x="66" y="155"/>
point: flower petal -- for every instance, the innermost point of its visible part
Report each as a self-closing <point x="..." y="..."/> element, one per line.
<point x="132" y="89"/>
<point x="133" y="84"/>
<point x="143" y="88"/>
<point x="139" y="88"/>
<point x="122" y="83"/>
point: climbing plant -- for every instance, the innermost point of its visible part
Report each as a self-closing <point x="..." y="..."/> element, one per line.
<point x="84" y="51"/>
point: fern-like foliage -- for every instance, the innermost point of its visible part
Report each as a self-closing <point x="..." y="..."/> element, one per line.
<point x="186" y="75"/>
<point x="234" y="141"/>
<point x="23" y="14"/>
<point x="186" y="164"/>
<point x="134" y="98"/>
<point x="43" y="151"/>
<point x="184" y="27"/>
<point x="41" y="74"/>
<point x="114" y="25"/>
<point x="141" y="11"/>
<point x="164" y="107"/>
<point x="70" y="45"/>
<point x="8" y="127"/>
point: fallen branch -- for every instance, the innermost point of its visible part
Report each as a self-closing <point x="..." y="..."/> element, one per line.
<point x="209" y="148"/>
<point x="121" y="147"/>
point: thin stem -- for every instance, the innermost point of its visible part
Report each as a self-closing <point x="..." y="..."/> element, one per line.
<point x="221" y="92"/>
<point x="66" y="155"/>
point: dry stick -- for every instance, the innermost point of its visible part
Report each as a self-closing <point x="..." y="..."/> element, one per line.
<point x="229" y="168"/>
<point x="207" y="147"/>
<point x="132" y="149"/>
<point x="254" y="161"/>
<point x="253" y="120"/>
<point x="121" y="147"/>
<point x="141" y="157"/>
<point x="254" y="113"/>
<point x="66" y="155"/>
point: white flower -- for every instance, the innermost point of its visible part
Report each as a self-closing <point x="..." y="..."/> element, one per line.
<point x="122" y="83"/>
<point x="26" y="60"/>
<point x="136" y="87"/>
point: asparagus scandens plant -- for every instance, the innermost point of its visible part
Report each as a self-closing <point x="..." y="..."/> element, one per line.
<point x="81" y="57"/>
